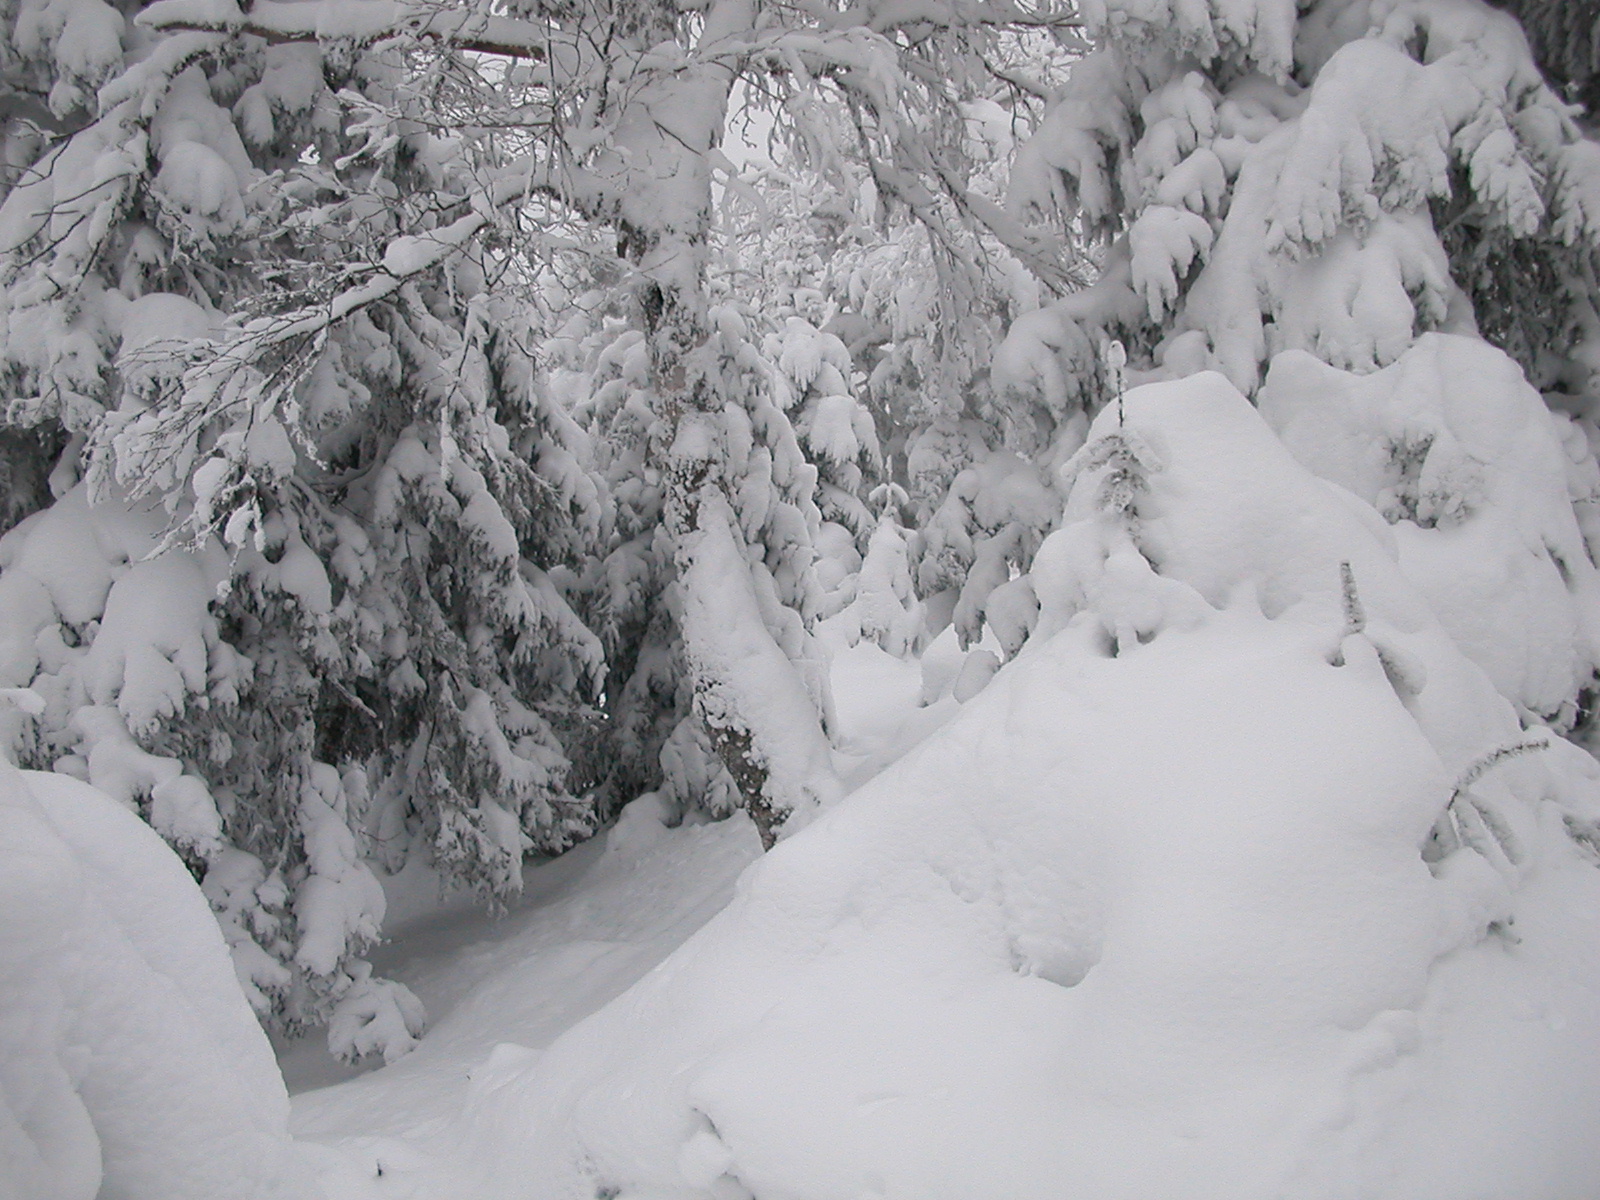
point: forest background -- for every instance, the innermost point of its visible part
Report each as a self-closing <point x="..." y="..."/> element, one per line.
<point x="429" y="427"/>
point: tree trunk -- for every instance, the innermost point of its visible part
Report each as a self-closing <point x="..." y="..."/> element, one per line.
<point x="757" y="710"/>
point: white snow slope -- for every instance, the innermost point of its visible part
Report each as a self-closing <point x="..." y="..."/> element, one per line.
<point x="131" y="1067"/>
<point x="1149" y="919"/>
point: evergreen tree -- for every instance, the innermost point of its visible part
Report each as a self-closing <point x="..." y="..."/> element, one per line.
<point x="629" y="136"/>
<point x="1565" y="38"/>
<point x="1333" y="204"/>
<point x="310" y="605"/>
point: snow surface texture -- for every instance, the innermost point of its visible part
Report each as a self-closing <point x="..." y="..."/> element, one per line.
<point x="585" y="928"/>
<point x="131" y="1067"/>
<point x="1461" y="455"/>
<point x="1171" y="908"/>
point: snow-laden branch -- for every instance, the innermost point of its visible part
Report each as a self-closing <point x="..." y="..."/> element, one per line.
<point x="404" y="259"/>
<point x="361" y="21"/>
<point x="370" y="21"/>
<point x="889" y="16"/>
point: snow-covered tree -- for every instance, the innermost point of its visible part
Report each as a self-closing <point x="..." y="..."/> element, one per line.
<point x="834" y="426"/>
<point x="1334" y="204"/>
<point x="884" y="608"/>
<point x="614" y="115"/>
<point x="1562" y="36"/>
<point x="920" y="298"/>
<point x="634" y="591"/>
<point x="308" y="607"/>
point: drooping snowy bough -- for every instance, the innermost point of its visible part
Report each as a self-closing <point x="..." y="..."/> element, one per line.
<point x="302" y="612"/>
<point x="1371" y="188"/>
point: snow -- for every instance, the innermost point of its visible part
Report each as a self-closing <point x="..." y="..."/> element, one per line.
<point x="132" y="1066"/>
<point x="885" y="704"/>
<point x="1201" y="829"/>
<point x="1455" y="448"/>
<point x="1165" y="243"/>
<point x="152" y="648"/>
<point x="154" y="328"/>
<point x="885" y="609"/>
<point x="1222" y="1030"/>
<point x="301" y="573"/>
<point x="583" y="929"/>
<point x="375" y="1016"/>
<point x="340" y="900"/>
<point x="832" y="433"/>
<point x="183" y="812"/>
<point x="1151" y="912"/>
<point x="759" y="689"/>
<point x="1147" y="908"/>
<point x="483" y="516"/>
<point x="1326" y="241"/>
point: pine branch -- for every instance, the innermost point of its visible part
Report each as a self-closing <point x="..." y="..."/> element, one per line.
<point x="1355" y="614"/>
<point x="1480" y="766"/>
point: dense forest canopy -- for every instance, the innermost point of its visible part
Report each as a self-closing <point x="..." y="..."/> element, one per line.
<point x="431" y="427"/>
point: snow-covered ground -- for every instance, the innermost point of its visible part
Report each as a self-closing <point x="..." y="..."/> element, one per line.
<point x="586" y="926"/>
<point x="886" y="1009"/>
<point x="1157" y="913"/>
<point x="1241" y="881"/>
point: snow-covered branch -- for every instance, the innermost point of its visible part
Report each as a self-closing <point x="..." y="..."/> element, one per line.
<point x="892" y="16"/>
<point x="364" y="22"/>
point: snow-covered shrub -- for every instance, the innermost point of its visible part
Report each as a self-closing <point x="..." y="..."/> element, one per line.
<point x="1321" y="177"/>
<point x="1472" y="472"/>
<point x="129" y="1063"/>
<point x="1339" y="198"/>
<point x="981" y="536"/>
<point x="376" y="1016"/>
<point x="918" y="289"/>
<point x="885" y="608"/>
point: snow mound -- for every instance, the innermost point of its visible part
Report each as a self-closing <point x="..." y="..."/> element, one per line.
<point x="1171" y="908"/>
<point x="585" y="927"/>
<point x="130" y="1064"/>
<point x="1460" y="453"/>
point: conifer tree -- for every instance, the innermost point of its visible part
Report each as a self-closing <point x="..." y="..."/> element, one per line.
<point x="1335" y="204"/>
<point x="309" y="607"/>
<point x="617" y="114"/>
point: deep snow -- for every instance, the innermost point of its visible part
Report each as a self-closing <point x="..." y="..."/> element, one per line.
<point x="884" y="1010"/>
<point x="1212" y="891"/>
<point x="1150" y="916"/>
<point x="131" y="1067"/>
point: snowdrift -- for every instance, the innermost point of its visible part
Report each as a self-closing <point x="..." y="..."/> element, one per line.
<point x="131" y="1067"/>
<point x="1218" y="890"/>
